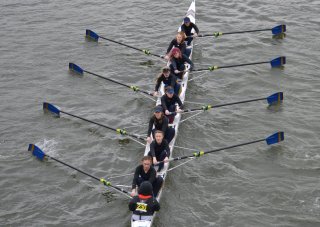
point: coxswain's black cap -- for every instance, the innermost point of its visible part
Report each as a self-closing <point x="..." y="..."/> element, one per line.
<point x="145" y="188"/>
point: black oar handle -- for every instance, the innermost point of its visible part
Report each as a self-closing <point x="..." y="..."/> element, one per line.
<point x="147" y="52"/>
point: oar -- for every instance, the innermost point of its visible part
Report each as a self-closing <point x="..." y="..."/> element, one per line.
<point x="277" y="62"/>
<point x="272" y="99"/>
<point x="277" y="30"/>
<point x="36" y="151"/>
<point x="94" y="36"/>
<point x="56" y="111"/>
<point x="77" y="69"/>
<point x="273" y="139"/>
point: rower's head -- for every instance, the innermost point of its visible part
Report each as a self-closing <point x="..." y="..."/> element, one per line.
<point x="176" y="53"/>
<point x="158" y="136"/>
<point x="146" y="163"/>
<point x="166" y="71"/>
<point x="180" y="37"/>
<point x="169" y="91"/>
<point x="158" y="112"/>
<point x="145" y="188"/>
<point x="186" y="21"/>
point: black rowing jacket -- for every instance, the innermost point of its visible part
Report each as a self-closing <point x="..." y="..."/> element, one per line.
<point x="170" y="81"/>
<point x="156" y="149"/>
<point x="174" y="43"/>
<point x="188" y="29"/>
<point x="166" y="102"/>
<point x="178" y="63"/>
<point x="159" y="124"/>
<point x="149" y="176"/>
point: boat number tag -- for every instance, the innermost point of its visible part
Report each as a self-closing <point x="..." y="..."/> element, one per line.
<point x="142" y="207"/>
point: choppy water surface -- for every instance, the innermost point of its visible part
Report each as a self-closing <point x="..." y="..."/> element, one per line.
<point x="254" y="185"/>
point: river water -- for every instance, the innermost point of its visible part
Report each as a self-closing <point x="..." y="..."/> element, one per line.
<point x="254" y="185"/>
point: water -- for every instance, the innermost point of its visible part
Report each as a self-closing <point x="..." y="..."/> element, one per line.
<point x="255" y="185"/>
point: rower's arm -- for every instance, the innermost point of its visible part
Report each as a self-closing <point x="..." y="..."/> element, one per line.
<point x="135" y="178"/>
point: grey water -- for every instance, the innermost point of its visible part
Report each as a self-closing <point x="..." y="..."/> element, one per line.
<point x="254" y="185"/>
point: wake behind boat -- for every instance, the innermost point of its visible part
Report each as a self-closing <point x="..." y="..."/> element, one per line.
<point x="184" y="82"/>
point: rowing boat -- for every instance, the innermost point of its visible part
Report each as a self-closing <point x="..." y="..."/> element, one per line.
<point x="184" y="82"/>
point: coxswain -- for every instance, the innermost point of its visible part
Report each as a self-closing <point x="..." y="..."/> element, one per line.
<point x="169" y="79"/>
<point x="177" y="63"/>
<point x="160" y="122"/>
<point x="179" y="43"/>
<point x="159" y="150"/>
<point x="168" y="103"/>
<point x="146" y="172"/>
<point x="144" y="204"/>
<point x="187" y="27"/>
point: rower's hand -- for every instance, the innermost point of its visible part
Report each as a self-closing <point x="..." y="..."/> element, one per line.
<point x="179" y="110"/>
<point x="133" y="192"/>
<point x="166" y="57"/>
<point x="167" y="112"/>
<point x="155" y="93"/>
<point x="155" y="162"/>
<point x="149" y="140"/>
<point x="166" y="159"/>
<point x="195" y="35"/>
<point x="176" y="71"/>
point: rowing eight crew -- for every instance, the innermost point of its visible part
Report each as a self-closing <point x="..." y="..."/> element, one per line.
<point x="144" y="204"/>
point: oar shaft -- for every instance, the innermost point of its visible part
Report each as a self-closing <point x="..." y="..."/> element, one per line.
<point x="233" y="146"/>
<point x="72" y="167"/>
<point x="231" y="66"/>
<point x="132" y="47"/>
<point x="87" y="120"/>
<point x="89" y="175"/>
<point x="240" y="102"/>
<point x="219" y="149"/>
<point x="239" y="32"/>
<point x="221" y="105"/>
<point x="105" y="78"/>
<point x="245" y="64"/>
<point x="117" y="82"/>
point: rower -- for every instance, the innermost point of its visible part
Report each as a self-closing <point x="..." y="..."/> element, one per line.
<point x="169" y="79"/>
<point x="146" y="172"/>
<point x="159" y="150"/>
<point x="168" y="103"/>
<point x="177" y="63"/>
<point x="187" y="27"/>
<point x="144" y="204"/>
<point x="160" y="122"/>
<point x="179" y="43"/>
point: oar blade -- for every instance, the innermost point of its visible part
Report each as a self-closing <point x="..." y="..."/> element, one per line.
<point x="277" y="30"/>
<point x="92" y="35"/>
<point x="278" y="62"/>
<point x="51" y="108"/>
<point x="36" y="151"/>
<point x="275" y="138"/>
<point x="275" y="98"/>
<point x="75" y="68"/>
